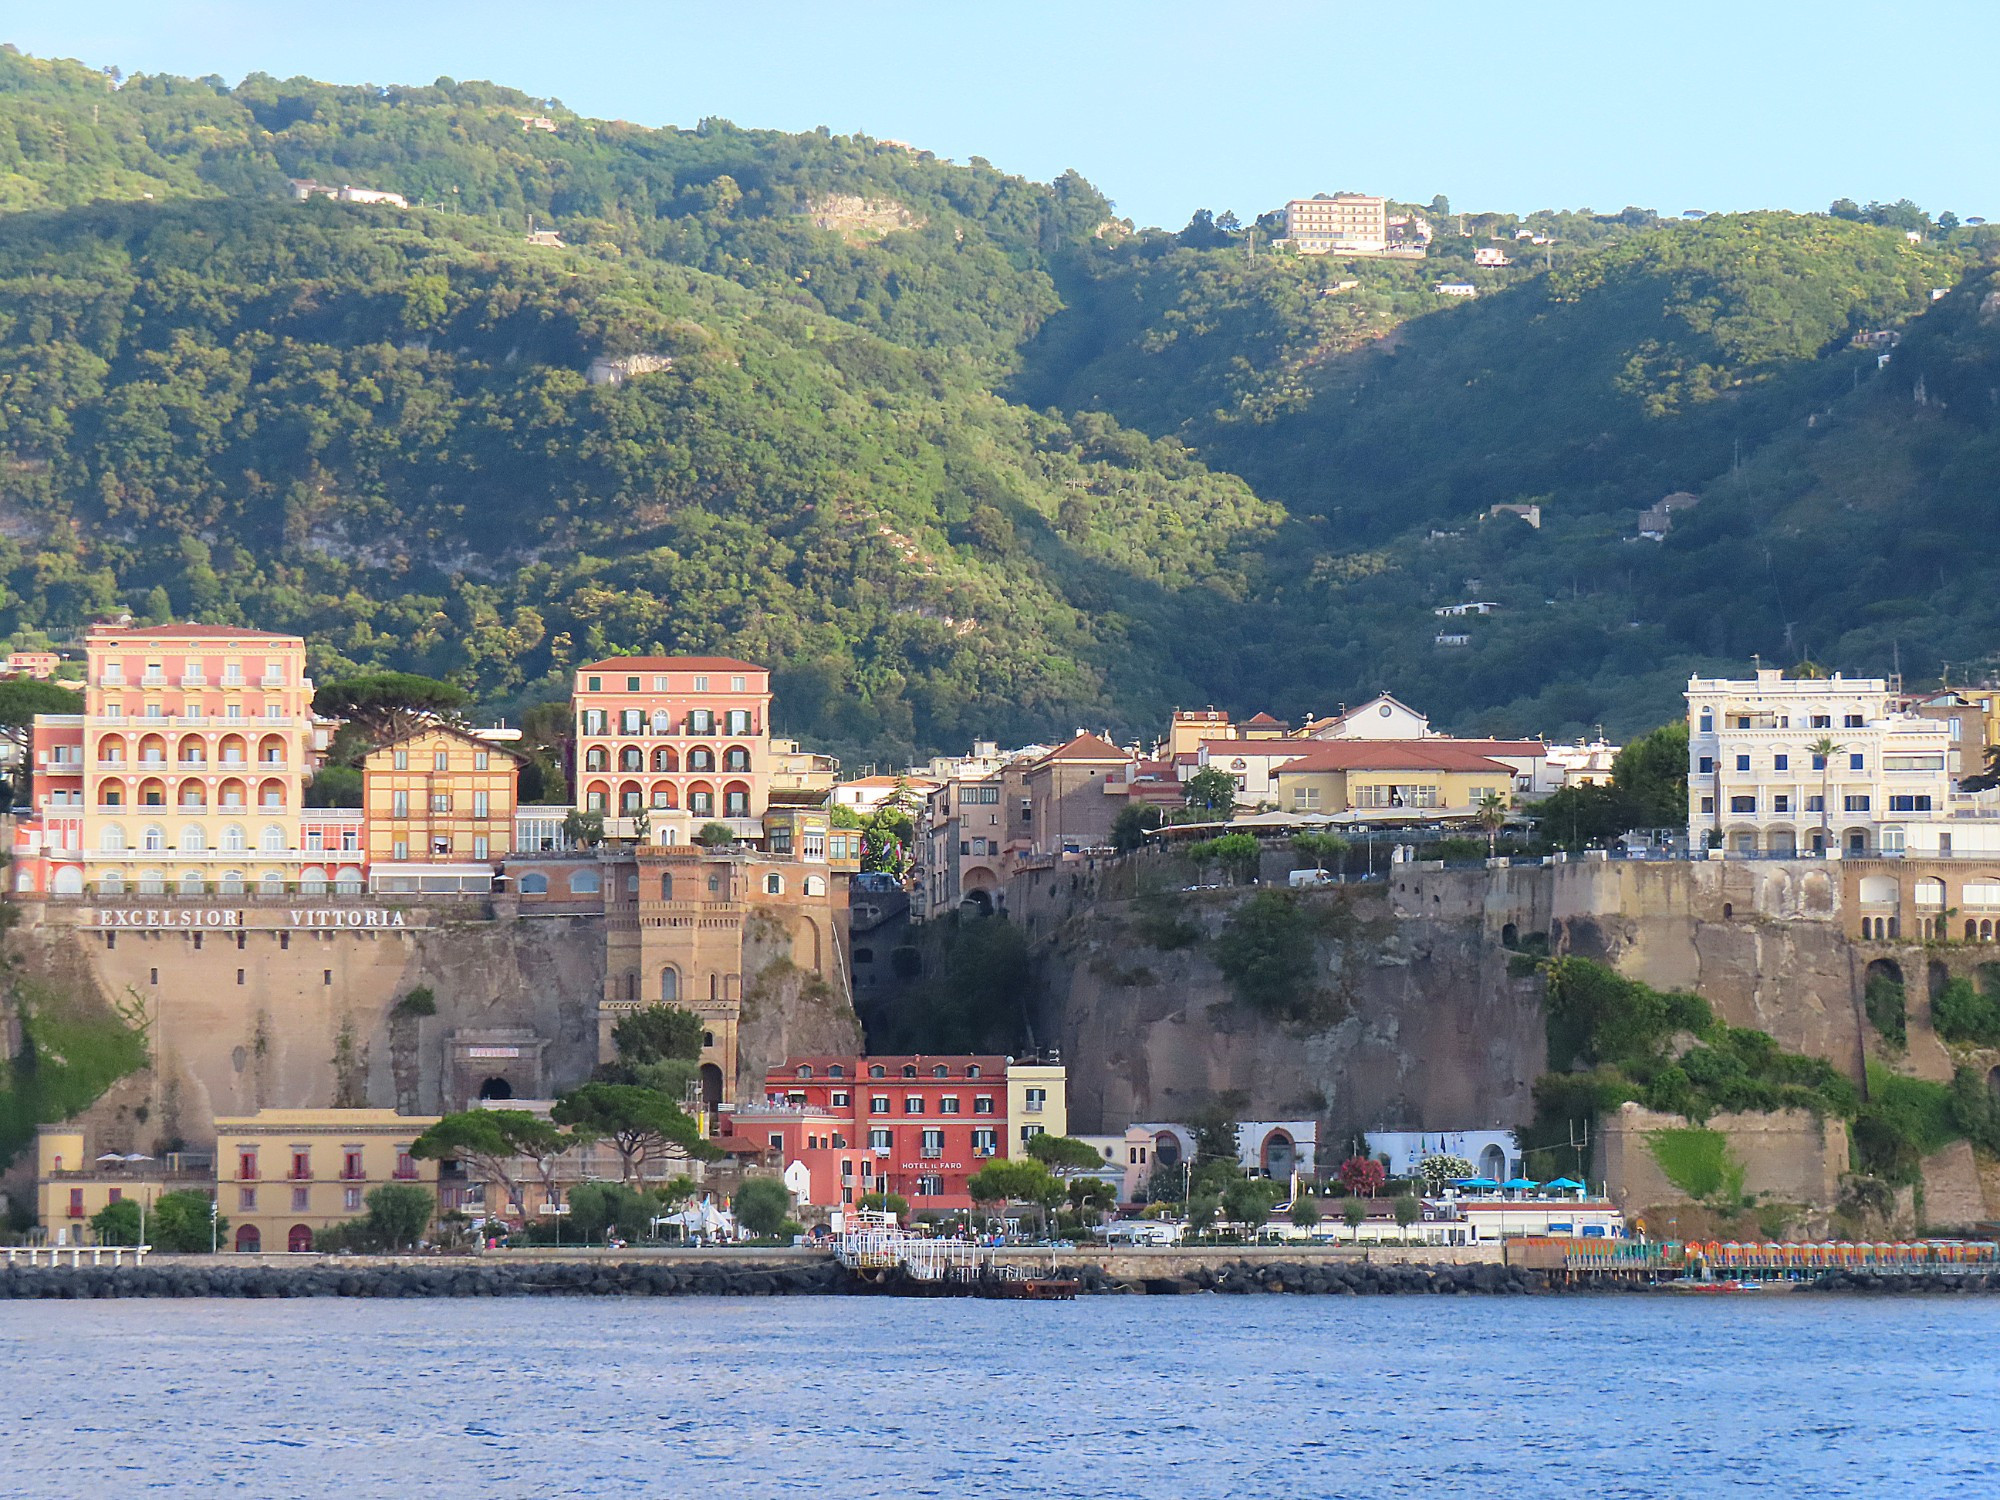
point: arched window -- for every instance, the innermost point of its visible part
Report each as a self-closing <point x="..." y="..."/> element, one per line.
<point x="664" y="759"/>
<point x="815" y="885"/>
<point x="701" y="801"/>
<point x="596" y="758"/>
<point x="231" y="883"/>
<point x="112" y="839"/>
<point x="248" y="1240"/>
<point x="876" y="1070"/>
<point x="631" y="758"/>
<point x="271" y="884"/>
<point x="972" y="1070"/>
<point x="701" y="758"/>
<point x="805" y="1070"/>
<point x="940" y="1071"/>
<point x="666" y="885"/>
<point x="112" y="883"/>
<point x="300" y="1240"/>
<point x="835" y="1070"/>
<point x="909" y="1070"/>
<point x="534" y="883"/>
<point x="232" y="838"/>
<point x="774" y="884"/>
<point x="191" y="883"/>
<point x="68" y="882"/>
<point x="670" y="986"/>
<point x="736" y="759"/>
<point x="584" y="883"/>
<point x="193" y="795"/>
<point x="272" y="839"/>
<point x="193" y="840"/>
<point x="152" y="883"/>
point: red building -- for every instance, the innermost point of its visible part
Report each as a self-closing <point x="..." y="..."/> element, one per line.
<point x="915" y="1126"/>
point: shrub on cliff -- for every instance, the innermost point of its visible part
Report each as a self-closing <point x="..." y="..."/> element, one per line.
<point x="1267" y="953"/>
<point x="1961" y="1013"/>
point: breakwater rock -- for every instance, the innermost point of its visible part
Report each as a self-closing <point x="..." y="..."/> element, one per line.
<point x="1870" y="1281"/>
<point x="1318" y="1278"/>
<point x="444" y="1279"/>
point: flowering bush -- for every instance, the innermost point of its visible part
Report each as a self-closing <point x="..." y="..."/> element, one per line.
<point x="1440" y="1171"/>
<point x="1362" y="1174"/>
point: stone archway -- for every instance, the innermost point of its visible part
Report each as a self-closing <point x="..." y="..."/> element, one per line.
<point x="711" y="1085"/>
<point x="496" y="1088"/>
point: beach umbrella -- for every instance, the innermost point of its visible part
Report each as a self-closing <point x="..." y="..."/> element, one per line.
<point x="1521" y="1183"/>
<point x="1475" y="1182"/>
<point x="111" y="1156"/>
<point x="1565" y="1185"/>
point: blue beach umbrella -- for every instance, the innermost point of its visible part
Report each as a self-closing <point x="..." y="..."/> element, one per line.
<point x="1521" y="1184"/>
<point x="1475" y="1182"/>
<point x="1565" y="1185"/>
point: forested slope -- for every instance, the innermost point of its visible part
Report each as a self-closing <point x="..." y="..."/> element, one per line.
<point x="953" y="450"/>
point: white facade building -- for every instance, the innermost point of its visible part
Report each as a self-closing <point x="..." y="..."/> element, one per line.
<point x="1757" y="786"/>
<point x="1493" y="1153"/>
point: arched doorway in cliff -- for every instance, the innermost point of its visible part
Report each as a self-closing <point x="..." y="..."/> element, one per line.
<point x="1884" y="968"/>
<point x="496" y="1088"/>
<point x="1279" y="1155"/>
<point x="711" y="1085"/>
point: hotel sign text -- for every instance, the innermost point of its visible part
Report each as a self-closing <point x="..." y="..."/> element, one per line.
<point x="216" y="916"/>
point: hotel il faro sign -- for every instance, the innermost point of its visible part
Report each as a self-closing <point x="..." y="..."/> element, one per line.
<point x="192" y="917"/>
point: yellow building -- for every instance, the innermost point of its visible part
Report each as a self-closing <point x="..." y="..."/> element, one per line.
<point x="72" y="1186"/>
<point x="283" y="1175"/>
<point x="1391" y="780"/>
<point x="794" y="769"/>
<point x="195" y="748"/>
<point x="1037" y="1103"/>
<point x="440" y="810"/>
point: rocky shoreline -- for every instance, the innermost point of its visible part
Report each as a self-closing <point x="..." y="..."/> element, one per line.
<point x="459" y="1278"/>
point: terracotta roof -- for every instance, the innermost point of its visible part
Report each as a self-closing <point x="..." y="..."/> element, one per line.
<point x="1250" y="747"/>
<point x="1504" y="747"/>
<point x="1263" y="719"/>
<point x="672" y="664"/>
<point x="188" y="632"/>
<point x="1393" y="755"/>
<point x="1086" y="747"/>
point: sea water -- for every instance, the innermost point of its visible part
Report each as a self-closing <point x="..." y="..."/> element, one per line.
<point x="1154" y="1397"/>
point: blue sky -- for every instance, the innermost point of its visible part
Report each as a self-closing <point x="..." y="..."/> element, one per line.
<point x="1169" y="107"/>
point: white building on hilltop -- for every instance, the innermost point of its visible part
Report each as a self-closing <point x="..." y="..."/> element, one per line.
<point x="1785" y="766"/>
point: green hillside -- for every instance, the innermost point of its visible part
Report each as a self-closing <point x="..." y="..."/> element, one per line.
<point x="949" y="448"/>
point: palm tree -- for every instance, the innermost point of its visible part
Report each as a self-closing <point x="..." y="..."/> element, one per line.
<point x="1825" y="748"/>
<point x="1491" y="816"/>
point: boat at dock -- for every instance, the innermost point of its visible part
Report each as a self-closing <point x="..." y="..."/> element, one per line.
<point x="886" y="1258"/>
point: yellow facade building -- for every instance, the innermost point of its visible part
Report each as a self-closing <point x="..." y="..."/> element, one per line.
<point x="440" y="811"/>
<point x="1390" y="780"/>
<point x="73" y="1185"/>
<point x="1037" y="1103"/>
<point x="283" y="1175"/>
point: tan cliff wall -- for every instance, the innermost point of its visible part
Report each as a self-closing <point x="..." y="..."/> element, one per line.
<point x="303" y="1018"/>
<point x="1430" y="1027"/>
<point x="787" y="1010"/>
<point x="1438" y="1036"/>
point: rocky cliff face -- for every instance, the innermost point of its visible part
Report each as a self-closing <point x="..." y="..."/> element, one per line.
<point x="1432" y="1031"/>
<point x="1424" y="1024"/>
<point x="787" y="1011"/>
